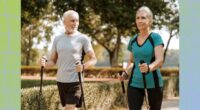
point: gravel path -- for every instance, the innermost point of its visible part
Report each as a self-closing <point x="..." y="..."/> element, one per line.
<point x="169" y="104"/>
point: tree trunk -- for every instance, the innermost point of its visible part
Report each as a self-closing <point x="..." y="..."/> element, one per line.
<point x="28" y="51"/>
<point x="114" y="59"/>
<point x="165" y="52"/>
<point x="114" y="55"/>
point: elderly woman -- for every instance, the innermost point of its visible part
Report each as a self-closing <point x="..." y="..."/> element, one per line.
<point x="146" y="53"/>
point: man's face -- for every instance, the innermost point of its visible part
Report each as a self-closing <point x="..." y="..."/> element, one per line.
<point x="71" y="23"/>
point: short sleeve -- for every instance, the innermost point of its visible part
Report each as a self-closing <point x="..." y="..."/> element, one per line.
<point x="54" y="49"/>
<point x="87" y="46"/>
<point x="129" y="45"/>
<point x="158" y="40"/>
<point x="130" y="42"/>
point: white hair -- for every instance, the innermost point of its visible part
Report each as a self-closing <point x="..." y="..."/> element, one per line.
<point x="69" y="13"/>
<point x="146" y="10"/>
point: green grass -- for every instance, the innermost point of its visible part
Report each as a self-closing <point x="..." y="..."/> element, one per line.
<point x="26" y="83"/>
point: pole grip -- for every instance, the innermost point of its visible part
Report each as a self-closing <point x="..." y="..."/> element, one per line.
<point x="122" y="83"/>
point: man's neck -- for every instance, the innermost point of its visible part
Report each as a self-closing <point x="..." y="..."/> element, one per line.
<point x="70" y="33"/>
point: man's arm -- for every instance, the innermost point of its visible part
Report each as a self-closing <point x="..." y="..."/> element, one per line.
<point x="51" y="62"/>
<point x="92" y="59"/>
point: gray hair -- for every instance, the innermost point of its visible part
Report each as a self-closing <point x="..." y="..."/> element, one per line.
<point x="69" y="13"/>
<point x="146" y="10"/>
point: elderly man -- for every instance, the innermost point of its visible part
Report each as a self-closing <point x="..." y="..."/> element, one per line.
<point x="66" y="51"/>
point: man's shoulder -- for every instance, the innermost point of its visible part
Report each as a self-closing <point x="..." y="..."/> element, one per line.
<point x="59" y="36"/>
<point x="83" y="36"/>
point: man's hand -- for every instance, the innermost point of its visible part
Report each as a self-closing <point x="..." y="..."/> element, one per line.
<point x="79" y="67"/>
<point x="43" y="61"/>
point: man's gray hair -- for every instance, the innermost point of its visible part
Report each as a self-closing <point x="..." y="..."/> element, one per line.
<point x="69" y="13"/>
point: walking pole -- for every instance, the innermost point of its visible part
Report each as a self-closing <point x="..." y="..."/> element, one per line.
<point x="124" y="74"/>
<point x="145" y="88"/>
<point x="121" y="73"/>
<point x="80" y="81"/>
<point x="122" y="82"/>
<point x="123" y="86"/>
<point x="41" y="80"/>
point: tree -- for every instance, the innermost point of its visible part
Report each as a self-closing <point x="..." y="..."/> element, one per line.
<point x="172" y="23"/>
<point x="170" y="20"/>
<point x="107" y="21"/>
<point x="33" y="15"/>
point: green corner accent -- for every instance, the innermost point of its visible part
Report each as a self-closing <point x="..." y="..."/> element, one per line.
<point x="10" y="81"/>
<point x="13" y="6"/>
<point x="10" y="99"/>
<point x="4" y="42"/>
<point x="2" y="9"/>
<point x="3" y="22"/>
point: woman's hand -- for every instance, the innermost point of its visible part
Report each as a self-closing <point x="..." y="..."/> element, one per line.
<point x="144" y="68"/>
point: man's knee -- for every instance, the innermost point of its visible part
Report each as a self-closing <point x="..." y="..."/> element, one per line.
<point x="70" y="107"/>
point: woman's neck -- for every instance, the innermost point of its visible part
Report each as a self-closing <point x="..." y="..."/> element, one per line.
<point x="144" y="33"/>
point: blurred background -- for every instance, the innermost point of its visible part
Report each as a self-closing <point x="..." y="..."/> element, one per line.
<point x="109" y="24"/>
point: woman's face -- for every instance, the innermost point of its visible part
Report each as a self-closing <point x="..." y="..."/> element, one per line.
<point x="142" y="21"/>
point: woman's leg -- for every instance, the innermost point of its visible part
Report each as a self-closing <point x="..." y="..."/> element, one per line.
<point x="135" y="98"/>
<point x="155" y="96"/>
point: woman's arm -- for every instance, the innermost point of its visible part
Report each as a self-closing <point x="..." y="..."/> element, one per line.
<point x="158" y="58"/>
<point x="130" y="62"/>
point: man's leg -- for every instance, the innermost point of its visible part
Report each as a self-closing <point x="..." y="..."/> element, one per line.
<point x="70" y="107"/>
<point x="70" y="94"/>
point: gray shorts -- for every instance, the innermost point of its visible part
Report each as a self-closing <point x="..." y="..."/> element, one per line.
<point x="70" y="93"/>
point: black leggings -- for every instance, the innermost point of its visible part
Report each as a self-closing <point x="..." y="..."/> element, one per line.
<point x="136" y="97"/>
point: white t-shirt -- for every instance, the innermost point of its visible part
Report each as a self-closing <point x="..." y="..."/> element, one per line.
<point x="69" y="50"/>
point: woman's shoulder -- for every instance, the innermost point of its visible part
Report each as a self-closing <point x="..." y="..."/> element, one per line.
<point x="155" y="35"/>
<point x="133" y="37"/>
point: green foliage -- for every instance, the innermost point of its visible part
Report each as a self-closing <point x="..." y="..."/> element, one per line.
<point x="30" y="98"/>
<point x="32" y="10"/>
<point x="34" y="14"/>
<point x="100" y="72"/>
<point x="105" y="21"/>
<point x="171" y="21"/>
<point x="28" y="83"/>
<point x="102" y="96"/>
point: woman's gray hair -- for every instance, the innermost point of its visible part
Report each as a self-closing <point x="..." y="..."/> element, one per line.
<point x="148" y="11"/>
